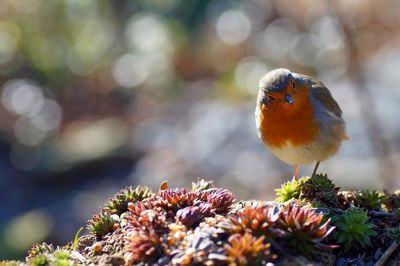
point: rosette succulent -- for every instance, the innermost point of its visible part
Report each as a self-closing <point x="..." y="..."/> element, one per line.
<point x="305" y="229"/>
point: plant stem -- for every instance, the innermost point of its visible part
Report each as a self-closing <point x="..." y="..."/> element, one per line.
<point x="385" y="256"/>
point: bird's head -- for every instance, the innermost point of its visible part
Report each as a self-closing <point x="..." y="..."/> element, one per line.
<point x="282" y="88"/>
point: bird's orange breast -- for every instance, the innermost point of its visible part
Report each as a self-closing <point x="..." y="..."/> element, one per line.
<point x="288" y="123"/>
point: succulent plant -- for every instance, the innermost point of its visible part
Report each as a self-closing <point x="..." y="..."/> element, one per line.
<point x="119" y="202"/>
<point x="204" y="226"/>
<point x="221" y="200"/>
<point x="101" y="224"/>
<point x="177" y="198"/>
<point x="147" y="219"/>
<point x="248" y="250"/>
<point x="210" y="201"/>
<point x="38" y="249"/>
<point x="305" y="229"/>
<point x="40" y="260"/>
<point x="370" y="200"/>
<point x="202" y="245"/>
<point x="202" y="184"/>
<point x="353" y="229"/>
<point x="144" y="247"/>
<point x="320" y="190"/>
<point x="256" y="220"/>
<point x="290" y="190"/>
<point x="190" y="216"/>
<point x="58" y="257"/>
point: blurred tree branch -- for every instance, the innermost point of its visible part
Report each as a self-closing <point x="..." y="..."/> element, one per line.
<point x="379" y="144"/>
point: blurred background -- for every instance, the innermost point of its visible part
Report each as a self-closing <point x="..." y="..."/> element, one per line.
<point x="97" y="95"/>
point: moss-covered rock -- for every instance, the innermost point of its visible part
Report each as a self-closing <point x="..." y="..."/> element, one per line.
<point x="312" y="223"/>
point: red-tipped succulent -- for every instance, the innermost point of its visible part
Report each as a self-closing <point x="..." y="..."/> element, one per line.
<point x="143" y="218"/>
<point x="221" y="200"/>
<point x="119" y="202"/>
<point x="257" y="220"/>
<point x="248" y="250"/>
<point x="177" y="198"/>
<point x="190" y="216"/>
<point x="144" y="247"/>
<point x="305" y="229"/>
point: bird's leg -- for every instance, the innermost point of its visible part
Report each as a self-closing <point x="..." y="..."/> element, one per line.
<point x="296" y="172"/>
<point x="315" y="169"/>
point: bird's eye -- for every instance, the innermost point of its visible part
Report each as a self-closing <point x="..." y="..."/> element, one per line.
<point x="271" y="98"/>
<point x="294" y="85"/>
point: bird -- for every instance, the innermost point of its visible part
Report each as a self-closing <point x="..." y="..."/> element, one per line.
<point x="297" y="119"/>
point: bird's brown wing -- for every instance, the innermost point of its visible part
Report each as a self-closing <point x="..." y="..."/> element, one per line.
<point x="322" y="94"/>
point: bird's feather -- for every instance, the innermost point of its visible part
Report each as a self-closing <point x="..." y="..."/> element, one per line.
<point x="322" y="94"/>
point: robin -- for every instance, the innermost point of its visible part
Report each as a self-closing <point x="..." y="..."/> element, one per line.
<point x="298" y="119"/>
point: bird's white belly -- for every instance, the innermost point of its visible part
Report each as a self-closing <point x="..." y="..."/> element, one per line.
<point x="304" y="154"/>
<point x="320" y="149"/>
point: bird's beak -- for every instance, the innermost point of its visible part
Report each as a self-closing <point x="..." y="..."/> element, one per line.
<point x="289" y="99"/>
